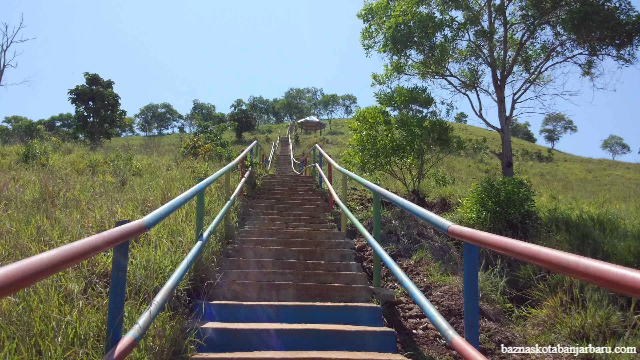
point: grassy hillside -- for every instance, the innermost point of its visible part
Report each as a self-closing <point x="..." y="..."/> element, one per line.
<point x="589" y="206"/>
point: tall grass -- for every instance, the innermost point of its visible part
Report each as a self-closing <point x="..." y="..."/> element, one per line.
<point x="79" y="193"/>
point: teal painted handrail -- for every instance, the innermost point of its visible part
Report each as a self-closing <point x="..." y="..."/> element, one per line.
<point x="131" y="340"/>
<point x="459" y="344"/>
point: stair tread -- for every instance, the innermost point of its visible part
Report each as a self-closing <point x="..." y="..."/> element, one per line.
<point x="308" y="355"/>
<point x="293" y="303"/>
<point x="281" y="326"/>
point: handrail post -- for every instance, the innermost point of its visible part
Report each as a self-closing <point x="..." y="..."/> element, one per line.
<point x="251" y="156"/>
<point x="117" y="291"/>
<point x="242" y="165"/>
<point x="227" y="194"/>
<point x="343" y="218"/>
<point x="313" y="170"/>
<point x="199" y="211"/>
<point x="377" y="270"/>
<point x="471" y="294"/>
<point x="263" y="163"/>
<point x="320" y="176"/>
<point x="330" y="177"/>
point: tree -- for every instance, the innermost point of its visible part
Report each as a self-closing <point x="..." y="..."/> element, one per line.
<point x="5" y="135"/>
<point x="244" y="121"/>
<point x="522" y="131"/>
<point x="98" y="115"/>
<point x="554" y="126"/>
<point x="23" y="129"/>
<point x="414" y="100"/>
<point x="203" y="112"/>
<point x="260" y="108"/>
<point x="328" y="106"/>
<point x="11" y="37"/>
<point x="349" y="104"/>
<point x="403" y="146"/>
<point x="157" y="117"/>
<point x="514" y="53"/>
<point x="461" y="118"/>
<point x="615" y="146"/>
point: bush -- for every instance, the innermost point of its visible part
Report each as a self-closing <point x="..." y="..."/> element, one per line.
<point x="504" y="206"/>
<point x="36" y="151"/>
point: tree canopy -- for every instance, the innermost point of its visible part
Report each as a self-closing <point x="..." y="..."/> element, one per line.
<point x="554" y="126"/>
<point x="98" y="115"/>
<point x="461" y="118"/>
<point x="157" y="118"/>
<point x="516" y="54"/>
<point x="522" y="131"/>
<point x="615" y="146"/>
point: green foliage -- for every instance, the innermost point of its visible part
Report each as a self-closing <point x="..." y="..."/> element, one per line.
<point x="405" y="147"/>
<point x="98" y="115"/>
<point x="415" y="100"/>
<point x="157" y="118"/>
<point x="504" y="206"/>
<point x="536" y="155"/>
<point x="554" y="126"/>
<point x="204" y="113"/>
<point x="244" y="121"/>
<point x="522" y="131"/>
<point x="615" y="146"/>
<point x="496" y="51"/>
<point x="36" y="152"/>
<point x="461" y="118"/>
<point x="207" y="143"/>
<point x="5" y="135"/>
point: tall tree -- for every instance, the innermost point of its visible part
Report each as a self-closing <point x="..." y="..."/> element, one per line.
<point x="349" y="104"/>
<point x="615" y="146"/>
<point x="98" y="115"/>
<point x="11" y="37"/>
<point x="554" y="126"/>
<point x="205" y="112"/>
<point x="244" y="121"/>
<point x="514" y="53"/>
<point x="23" y="129"/>
<point x="157" y="117"/>
<point x="461" y="117"/>
<point x="260" y="108"/>
<point x="328" y="106"/>
<point x="522" y="131"/>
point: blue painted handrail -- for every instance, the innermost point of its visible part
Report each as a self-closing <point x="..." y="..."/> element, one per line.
<point x="617" y="278"/>
<point x="140" y="328"/>
<point x="444" y="328"/>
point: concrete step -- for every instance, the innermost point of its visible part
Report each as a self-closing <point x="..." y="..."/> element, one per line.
<point x="262" y="219"/>
<point x="288" y="202"/>
<point x="363" y="314"/>
<point x="300" y="355"/>
<point x="287" y="291"/>
<point x="296" y="265"/>
<point x="296" y="243"/>
<point x="289" y="214"/>
<point x="312" y="277"/>
<point x="294" y="234"/>
<point x="298" y="196"/>
<point x="282" y="253"/>
<point x="291" y="208"/>
<point x="289" y="226"/>
<point x="230" y="337"/>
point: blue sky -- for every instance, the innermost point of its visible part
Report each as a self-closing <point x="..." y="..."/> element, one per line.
<point x="218" y="51"/>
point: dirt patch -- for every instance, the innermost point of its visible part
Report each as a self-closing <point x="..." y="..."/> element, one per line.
<point x="402" y="236"/>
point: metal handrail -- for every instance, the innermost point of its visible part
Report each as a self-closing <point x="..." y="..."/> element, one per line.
<point x="457" y="342"/>
<point x="610" y="276"/>
<point x="293" y="167"/>
<point x="131" y="340"/>
<point x="274" y="147"/>
<point x="617" y="278"/>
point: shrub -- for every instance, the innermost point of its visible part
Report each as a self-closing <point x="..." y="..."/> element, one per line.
<point x="504" y="206"/>
<point x="36" y="151"/>
<point x="123" y="165"/>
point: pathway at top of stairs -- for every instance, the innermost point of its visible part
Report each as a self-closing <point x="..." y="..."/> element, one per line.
<point x="290" y="287"/>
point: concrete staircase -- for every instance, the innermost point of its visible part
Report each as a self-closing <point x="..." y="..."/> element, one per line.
<point x="290" y="288"/>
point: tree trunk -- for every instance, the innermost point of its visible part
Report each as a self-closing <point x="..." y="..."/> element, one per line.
<point x="505" y="136"/>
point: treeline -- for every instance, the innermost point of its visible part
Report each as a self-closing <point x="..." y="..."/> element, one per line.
<point x="98" y="115"/>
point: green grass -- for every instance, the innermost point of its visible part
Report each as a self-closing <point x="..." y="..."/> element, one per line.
<point x="81" y="193"/>
<point x="589" y="206"/>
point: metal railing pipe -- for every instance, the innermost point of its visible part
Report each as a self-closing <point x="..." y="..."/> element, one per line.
<point x="617" y="278"/>
<point x="131" y="340"/>
<point x="25" y="272"/>
<point x="444" y="328"/>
